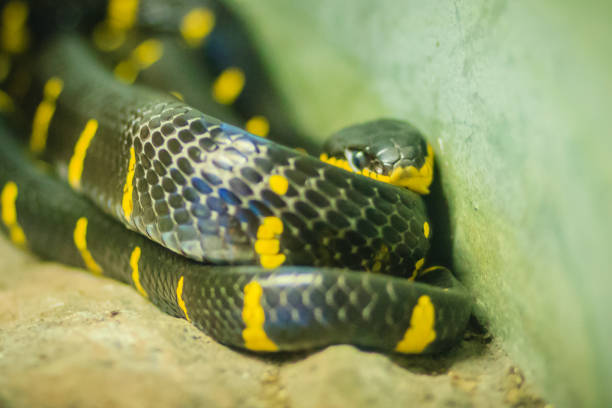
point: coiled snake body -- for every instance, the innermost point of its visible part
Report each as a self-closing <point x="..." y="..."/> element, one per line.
<point x="274" y="236"/>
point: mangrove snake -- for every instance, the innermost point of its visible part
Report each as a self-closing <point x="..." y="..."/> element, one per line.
<point x="264" y="245"/>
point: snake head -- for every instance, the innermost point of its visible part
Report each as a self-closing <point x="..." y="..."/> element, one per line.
<point x="387" y="150"/>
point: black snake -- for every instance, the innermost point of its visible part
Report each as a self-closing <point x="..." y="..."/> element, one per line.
<point x="275" y="237"/>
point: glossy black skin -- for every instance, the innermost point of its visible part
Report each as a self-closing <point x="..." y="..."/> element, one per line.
<point x="343" y="219"/>
<point x="48" y="210"/>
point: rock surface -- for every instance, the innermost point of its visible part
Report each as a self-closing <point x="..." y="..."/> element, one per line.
<point x="70" y="339"/>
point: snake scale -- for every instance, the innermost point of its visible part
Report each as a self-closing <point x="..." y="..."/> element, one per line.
<point x="266" y="247"/>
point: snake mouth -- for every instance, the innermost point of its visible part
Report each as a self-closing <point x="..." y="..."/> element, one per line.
<point x="417" y="179"/>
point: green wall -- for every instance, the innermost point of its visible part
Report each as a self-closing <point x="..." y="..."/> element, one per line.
<point x="516" y="98"/>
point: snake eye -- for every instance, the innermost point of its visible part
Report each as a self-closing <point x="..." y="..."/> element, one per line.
<point x="357" y="159"/>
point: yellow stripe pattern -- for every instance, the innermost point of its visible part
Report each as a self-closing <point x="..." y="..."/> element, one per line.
<point x="80" y="241"/>
<point x="417" y="267"/>
<point x="179" y="297"/>
<point x="44" y="114"/>
<point x="421" y="331"/>
<point x="121" y="15"/>
<point x="278" y="184"/>
<point x="8" y="198"/>
<point x="431" y="269"/>
<point x="14" y="35"/>
<point x="418" y="180"/>
<point x="258" y="125"/>
<point x="254" y="335"/>
<point x="426" y="229"/>
<point x="196" y="25"/>
<point x="134" y="258"/>
<point x="142" y="57"/>
<point x="75" y="166"/>
<point x="228" y="85"/>
<point x="267" y="244"/>
<point x="178" y="95"/>
<point x="127" y="202"/>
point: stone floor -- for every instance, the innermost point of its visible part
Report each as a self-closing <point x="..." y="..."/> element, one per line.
<point x="69" y="339"/>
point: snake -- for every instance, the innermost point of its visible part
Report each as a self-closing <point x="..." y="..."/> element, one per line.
<point x="261" y="246"/>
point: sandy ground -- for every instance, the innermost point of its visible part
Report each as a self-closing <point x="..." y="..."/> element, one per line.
<point x="69" y="339"/>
